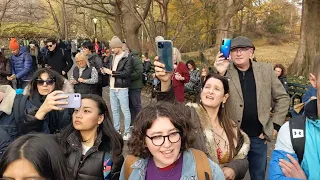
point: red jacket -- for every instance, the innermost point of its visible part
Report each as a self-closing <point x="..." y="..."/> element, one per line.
<point x="179" y="85"/>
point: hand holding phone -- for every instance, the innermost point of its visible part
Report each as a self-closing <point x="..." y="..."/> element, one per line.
<point x="73" y="100"/>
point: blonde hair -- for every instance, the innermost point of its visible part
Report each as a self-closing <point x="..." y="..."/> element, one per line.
<point x="177" y="53"/>
<point x="82" y="56"/>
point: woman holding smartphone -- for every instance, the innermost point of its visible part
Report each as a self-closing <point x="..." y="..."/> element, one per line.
<point x="43" y="82"/>
<point x="92" y="146"/>
<point x="225" y="143"/>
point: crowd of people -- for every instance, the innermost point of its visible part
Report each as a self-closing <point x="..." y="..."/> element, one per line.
<point x="242" y="104"/>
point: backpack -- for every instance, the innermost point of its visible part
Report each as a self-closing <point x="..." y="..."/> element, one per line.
<point x="202" y="165"/>
<point x="297" y="126"/>
<point x="18" y="110"/>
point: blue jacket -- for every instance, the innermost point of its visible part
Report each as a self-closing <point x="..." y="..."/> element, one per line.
<point x="21" y="65"/>
<point x="311" y="158"/>
<point x="188" y="168"/>
<point x="310" y="92"/>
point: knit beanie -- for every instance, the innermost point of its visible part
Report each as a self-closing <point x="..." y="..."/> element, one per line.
<point x="13" y="45"/>
<point x="115" y="42"/>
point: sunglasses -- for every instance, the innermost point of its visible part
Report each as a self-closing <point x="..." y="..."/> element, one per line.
<point x="48" y="81"/>
<point x="50" y="45"/>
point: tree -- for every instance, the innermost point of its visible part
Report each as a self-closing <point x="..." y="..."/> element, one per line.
<point x="309" y="45"/>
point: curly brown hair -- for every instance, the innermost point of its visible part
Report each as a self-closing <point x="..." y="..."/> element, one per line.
<point x="283" y="69"/>
<point x="177" y="115"/>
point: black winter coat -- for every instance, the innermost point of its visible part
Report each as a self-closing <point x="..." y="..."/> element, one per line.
<point x="59" y="60"/>
<point x="283" y="80"/>
<point x="123" y="73"/>
<point x="91" y="165"/>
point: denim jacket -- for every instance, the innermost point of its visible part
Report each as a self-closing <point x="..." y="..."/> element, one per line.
<point x="189" y="171"/>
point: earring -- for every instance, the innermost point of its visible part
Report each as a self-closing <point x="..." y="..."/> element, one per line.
<point x="222" y="105"/>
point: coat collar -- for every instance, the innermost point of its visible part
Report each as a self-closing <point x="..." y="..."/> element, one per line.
<point x="74" y="140"/>
<point x="234" y="77"/>
<point x="209" y="135"/>
<point x="7" y="102"/>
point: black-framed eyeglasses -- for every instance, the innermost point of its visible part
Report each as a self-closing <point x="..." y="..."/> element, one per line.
<point x="240" y="50"/>
<point x="48" y="81"/>
<point x="159" y="140"/>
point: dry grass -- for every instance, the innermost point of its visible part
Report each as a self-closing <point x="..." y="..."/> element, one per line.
<point x="282" y="54"/>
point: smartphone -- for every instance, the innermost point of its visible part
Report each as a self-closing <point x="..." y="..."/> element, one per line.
<point x="165" y="54"/>
<point x="225" y="47"/>
<point x="74" y="100"/>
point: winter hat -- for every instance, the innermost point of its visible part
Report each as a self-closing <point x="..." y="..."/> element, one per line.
<point x="14" y="44"/>
<point x="115" y="42"/>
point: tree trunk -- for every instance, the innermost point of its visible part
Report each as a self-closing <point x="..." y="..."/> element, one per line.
<point x="309" y="45"/>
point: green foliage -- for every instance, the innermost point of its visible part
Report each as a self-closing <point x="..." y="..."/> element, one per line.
<point x="275" y="23"/>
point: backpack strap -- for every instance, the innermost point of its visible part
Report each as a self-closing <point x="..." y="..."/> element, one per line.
<point x="202" y="164"/>
<point x="128" y="162"/>
<point x="297" y="127"/>
<point x="19" y="107"/>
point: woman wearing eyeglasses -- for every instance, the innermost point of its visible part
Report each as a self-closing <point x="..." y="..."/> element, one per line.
<point x="43" y="82"/>
<point x="160" y="143"/>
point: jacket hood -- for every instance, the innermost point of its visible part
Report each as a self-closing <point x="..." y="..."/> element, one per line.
<point x="67" y="88"/>
<point x="209" y="135"/>
<point x="7" y="102"/>
<point x="22" y="50"/>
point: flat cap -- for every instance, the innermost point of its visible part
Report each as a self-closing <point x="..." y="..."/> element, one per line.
<point x="241" y="42"/>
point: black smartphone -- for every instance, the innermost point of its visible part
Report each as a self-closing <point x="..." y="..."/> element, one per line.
<point x="165" y="54"/>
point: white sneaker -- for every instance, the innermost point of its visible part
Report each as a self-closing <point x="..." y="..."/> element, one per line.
<point x="126" y="136"/>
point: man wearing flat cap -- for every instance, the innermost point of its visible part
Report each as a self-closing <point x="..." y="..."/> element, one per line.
<point x="253" y="86"/>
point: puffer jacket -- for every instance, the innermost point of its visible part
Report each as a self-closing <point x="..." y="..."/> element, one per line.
<point x="204" y="136"/>
<point x="123" y="73"/>
<point x="95" y="164"/>
<point x="54" y="121"/>
<point x="21" y="65"/>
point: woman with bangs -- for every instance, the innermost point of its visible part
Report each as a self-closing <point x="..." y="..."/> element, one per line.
<point x="161" y="143"/>
<point x="216" y="134"/>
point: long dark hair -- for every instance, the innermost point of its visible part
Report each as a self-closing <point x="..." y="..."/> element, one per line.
<point x="110" y="135"/>
<point x="224" y="119"/>
<point x="42" y="151"/>
<point x="59" y="80"/>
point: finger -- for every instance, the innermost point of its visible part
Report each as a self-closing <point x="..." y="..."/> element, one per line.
<point x="287" y="164"/>
<point x="156" y="58"/>
<point x="57" y="108"/>
<point x="285" y="172"/>
<point x="294" y="161"/>
<point x="159" y="64"/>
<point x="159" y="69"/>
<point x="54" y="93"/>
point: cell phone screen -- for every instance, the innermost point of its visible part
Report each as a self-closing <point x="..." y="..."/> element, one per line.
<point x="165" y="54"/>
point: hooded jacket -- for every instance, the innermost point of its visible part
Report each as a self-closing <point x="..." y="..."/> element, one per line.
<point x="54" y="120"/>
<point x="310" y="163"/>
<point x="21" y="64"/>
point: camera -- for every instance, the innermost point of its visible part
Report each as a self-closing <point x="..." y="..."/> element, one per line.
<point x="160" y="45"/>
